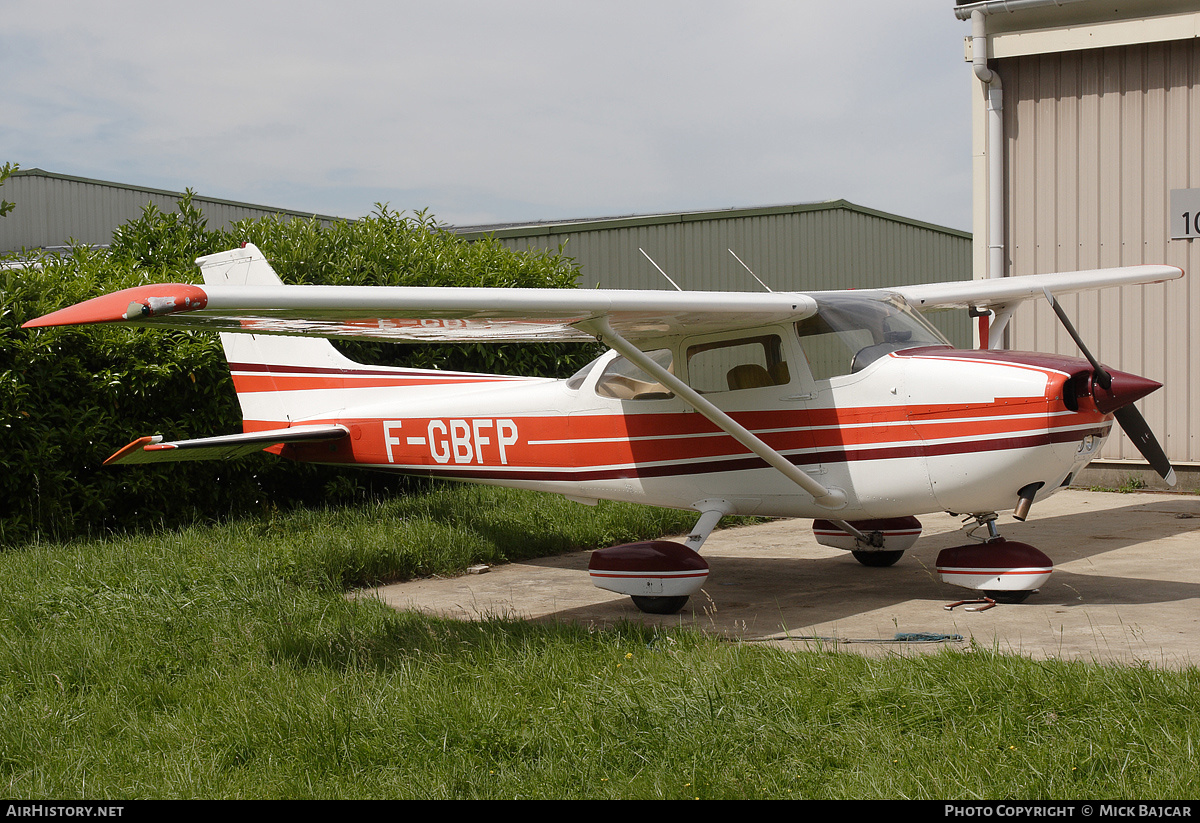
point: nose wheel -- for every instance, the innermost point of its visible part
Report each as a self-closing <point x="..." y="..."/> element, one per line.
<point x="659" y="605"/>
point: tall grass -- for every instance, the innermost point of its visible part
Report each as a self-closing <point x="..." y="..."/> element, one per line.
<point x="225" y="662"/>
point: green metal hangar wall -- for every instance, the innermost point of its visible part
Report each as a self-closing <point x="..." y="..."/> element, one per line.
<point x="830" y="245"/>
<point x="805" y="247"/>
<point x="1086" y="152"/>
<point x="54" y="209"/>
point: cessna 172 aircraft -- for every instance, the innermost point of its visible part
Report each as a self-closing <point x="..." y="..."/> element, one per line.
<point x="844" y="406"/>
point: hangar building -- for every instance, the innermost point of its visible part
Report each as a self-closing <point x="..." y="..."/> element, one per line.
<point x="54" y="209"/>
<point x="1086" y="154"/>
<point x="805" y="247"/>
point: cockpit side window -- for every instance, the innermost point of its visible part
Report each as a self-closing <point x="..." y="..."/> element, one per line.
<point x="849" y="333"/>
<point x="829" y="352"/>
<point x="733" y="365"/>
<point x="576" y="380"/>
<point x="625" y="381"/>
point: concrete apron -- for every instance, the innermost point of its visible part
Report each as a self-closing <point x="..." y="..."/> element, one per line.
<point x="1125" y="588"/>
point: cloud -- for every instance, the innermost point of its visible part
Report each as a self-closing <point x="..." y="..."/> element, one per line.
<point x="499" y="111"/>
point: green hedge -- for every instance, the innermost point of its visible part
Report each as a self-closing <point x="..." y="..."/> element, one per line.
<point x="69" y="397"/>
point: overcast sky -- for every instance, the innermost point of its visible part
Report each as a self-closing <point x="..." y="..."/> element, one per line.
<point x="498" y="111"/>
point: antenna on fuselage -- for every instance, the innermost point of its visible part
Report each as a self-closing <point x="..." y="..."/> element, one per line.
<point x="747" y="268"/>
<point x="660" y="271"/>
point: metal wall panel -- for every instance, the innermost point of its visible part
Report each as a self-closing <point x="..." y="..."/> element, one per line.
<point x="1095" y="141"/>
<point x="791" y="248"/>
<point x="53" y="210"/>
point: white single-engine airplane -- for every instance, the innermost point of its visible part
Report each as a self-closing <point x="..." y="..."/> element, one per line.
<point x="841" y="406"/>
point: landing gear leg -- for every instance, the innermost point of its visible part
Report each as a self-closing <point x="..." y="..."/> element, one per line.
<point x="987" y="521"/>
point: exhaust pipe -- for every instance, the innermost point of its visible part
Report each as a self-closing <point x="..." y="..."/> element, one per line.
<point x="1025" y="500"/>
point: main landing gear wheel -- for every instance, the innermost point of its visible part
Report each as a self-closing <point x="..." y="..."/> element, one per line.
<point x="659" y="605"/>
<point x="877" y="559"/>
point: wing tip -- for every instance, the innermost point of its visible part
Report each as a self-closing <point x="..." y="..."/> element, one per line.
<point x="137" y="303"/>
<point x="126" y="453"/>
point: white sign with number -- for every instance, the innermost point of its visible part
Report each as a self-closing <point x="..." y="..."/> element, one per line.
<point x="1185" y="214"/>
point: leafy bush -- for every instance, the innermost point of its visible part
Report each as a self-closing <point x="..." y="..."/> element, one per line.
<point x="70" y="396"/>
<point x="5" y="172"/>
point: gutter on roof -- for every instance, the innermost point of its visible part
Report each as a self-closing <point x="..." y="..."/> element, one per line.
<point x="964" y="11"/>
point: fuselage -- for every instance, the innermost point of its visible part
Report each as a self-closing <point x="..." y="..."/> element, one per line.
<point x="914" y="431"/>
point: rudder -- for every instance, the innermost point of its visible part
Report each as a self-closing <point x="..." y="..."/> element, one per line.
<point x="278" y="379"/>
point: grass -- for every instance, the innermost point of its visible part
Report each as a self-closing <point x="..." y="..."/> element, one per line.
<point x="225" y="662"/>
<point x="1132" y="483"/>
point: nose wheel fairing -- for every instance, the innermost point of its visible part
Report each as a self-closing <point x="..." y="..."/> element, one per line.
<point x="659" y="575"/>
<point x="998" y="566"/>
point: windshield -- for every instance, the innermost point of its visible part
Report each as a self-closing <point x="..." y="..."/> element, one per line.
<point x="849" y="332"/>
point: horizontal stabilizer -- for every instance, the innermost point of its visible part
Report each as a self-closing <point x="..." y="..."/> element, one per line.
<point x="154" y="450"/>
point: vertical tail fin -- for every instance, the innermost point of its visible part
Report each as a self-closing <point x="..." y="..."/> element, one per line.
<point x="278" y="379"/>
<point x="284" y="380"/>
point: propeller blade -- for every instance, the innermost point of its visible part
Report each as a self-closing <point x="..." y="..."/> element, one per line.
<point x="1102" y="376"/>
<point x="1136" y="428"/>
<point x="1128" y="417"/>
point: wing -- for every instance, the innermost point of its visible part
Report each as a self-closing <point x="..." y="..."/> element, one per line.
<point x="1009" y="291"/>
<point x="242" y="294"/>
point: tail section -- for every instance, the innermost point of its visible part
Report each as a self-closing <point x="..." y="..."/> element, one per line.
<point x="282" y="381"/>
<point x="279" y="380"/>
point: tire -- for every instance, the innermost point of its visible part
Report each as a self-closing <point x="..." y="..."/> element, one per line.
<point x="878" y="559"/>
<point x="659" y="605"/>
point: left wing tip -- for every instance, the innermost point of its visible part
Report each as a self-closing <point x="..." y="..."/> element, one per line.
<point x="129" y="304"/>
<point x="131" y="451"/>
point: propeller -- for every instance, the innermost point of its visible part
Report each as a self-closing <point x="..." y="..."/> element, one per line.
<point x="1116" y="394"/>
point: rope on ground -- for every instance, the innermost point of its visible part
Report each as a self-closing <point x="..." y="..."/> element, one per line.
<point x="900" y="637"/>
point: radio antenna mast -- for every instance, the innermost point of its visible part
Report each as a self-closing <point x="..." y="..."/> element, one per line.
<point x="747" y="268"/>
<point x="660" y="271"/>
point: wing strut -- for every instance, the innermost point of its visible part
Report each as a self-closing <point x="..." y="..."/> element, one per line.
<point x="825" y="497"/>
